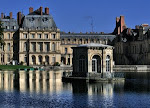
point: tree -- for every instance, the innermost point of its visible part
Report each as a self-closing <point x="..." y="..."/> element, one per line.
<point x="1" y="34"/>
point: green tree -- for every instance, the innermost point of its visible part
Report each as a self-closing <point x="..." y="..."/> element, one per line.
<point x="1" y="34"/>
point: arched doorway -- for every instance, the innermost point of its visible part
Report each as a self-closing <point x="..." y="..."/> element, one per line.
<point x="82" y="63"/>
<point x="47" y="59"/>
<point x="108" y="64"/>
<point x="40" y="59"/>
<point x="96" y="64"/>
<point x="34" y="60"/>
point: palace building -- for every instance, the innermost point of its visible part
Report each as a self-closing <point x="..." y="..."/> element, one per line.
<point x="34" y="39"/>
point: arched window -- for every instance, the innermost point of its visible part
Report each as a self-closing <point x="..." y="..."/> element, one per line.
<point x="47" y="59"/>
<point x="33" y="59"/>
<point x="82" y="63"/>
<point x="53" y="46"/>
<point x="108" y="64"/>
<point x="96" y="64"/>
<point x="40" y="59"/>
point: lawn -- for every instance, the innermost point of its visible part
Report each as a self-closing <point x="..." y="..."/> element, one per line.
<point x="13" y="67"/>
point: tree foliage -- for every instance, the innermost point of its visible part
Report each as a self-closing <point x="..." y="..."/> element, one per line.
<point x="1" y="34"/>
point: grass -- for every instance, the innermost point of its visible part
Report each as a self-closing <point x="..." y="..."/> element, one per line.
<point x="13" y="67"/>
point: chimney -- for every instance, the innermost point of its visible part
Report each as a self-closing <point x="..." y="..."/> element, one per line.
<point x="47" y="10"/>
<point x="41" y="10"/>
<point x="2" y="15"/>
<point x="30" y="10"/>
<point x="122" y="23"/>
<point x="19" y="18"/>
<point x="10" y="15"/>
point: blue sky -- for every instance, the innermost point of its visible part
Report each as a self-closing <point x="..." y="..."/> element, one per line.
<point x="75" y="15"/>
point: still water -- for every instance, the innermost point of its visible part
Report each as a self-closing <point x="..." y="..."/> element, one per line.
<point x="45" y="89"/>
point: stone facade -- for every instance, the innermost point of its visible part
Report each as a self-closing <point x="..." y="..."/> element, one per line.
<point x="132" y="46"/>
<point x="92" y="58"/>
<point x="34" y="39"/>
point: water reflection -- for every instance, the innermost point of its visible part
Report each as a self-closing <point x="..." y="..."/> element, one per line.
<point x="36" y="88"/>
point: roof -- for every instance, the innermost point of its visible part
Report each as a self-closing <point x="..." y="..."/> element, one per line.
<point x="94" y="45"/>
<point x="35" y="20"/>
<point x="87" y="36"/>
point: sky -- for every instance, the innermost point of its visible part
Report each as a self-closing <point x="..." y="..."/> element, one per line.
<point x="77" y="15"/>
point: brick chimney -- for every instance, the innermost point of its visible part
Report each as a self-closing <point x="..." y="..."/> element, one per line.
<point x="30" y="10"/>
<point x="10" y="15"/>
<point x="41" y="10"/>
<point x="19" y="18"/>
<point x="47" y="10"/>
<point x="2" y="15"/>
<point x="122" y="23"/>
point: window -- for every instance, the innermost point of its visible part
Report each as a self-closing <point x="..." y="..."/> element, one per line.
<point x="96" y="64"/>
<point x="53" y="46"/>
<point x="7" y="27"/>
<point x="46" y="36"/>
<point x="53" y="60"/>
<point x="47" y="59"/>
<point x="46" y="47"/>
<point x="108" y="65"/>
<point x="14" y="27"/>
<point x="53" y="36"/>
<point x="8" y="46"/>
<point x="25" y="36"/>
<point x="65" y="50"/>
<point x="32" y="36"/>
<point x="40" y="59"/>
<point x="8" y="35"/>
<point x="25" y="46"/>
<point x="40" y="46"/>
<point x="8" y="58"/>
<point x="25" y="59"/>
<point x="81" y="63"/>
<point x="39" y="36"/>
<point x="33" y="45"/>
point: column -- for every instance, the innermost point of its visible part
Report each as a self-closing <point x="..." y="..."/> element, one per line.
<point x="37" y="81"/>
<point x="6" y="80"/>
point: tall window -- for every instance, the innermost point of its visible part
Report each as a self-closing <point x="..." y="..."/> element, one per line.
<point x="82" y="63"/>
<point x="40" y="59"/>
<point x="8" y="46"/>
<point x="32" y="36"/>
<point x="53" y="46"/>
<point x="25" y="46"/>
<point x="33" y="45"/>
<point x="108" y="64"/>
<point x="25" y="36"/>
<point x="39" y="36"/>
<point x="53" y="59"/>
<point x="96" y="64"/>
<point x="53" y="36"/>
<point x="47" y="59"/>
<point x="66" y="51"/>
<point x="25" y="59"/>
<point x="8" y="35"/>
<point x="40" y="46"/>
<point x="46" y="36"/>
<point x="34" y="59"/>
<point x="8" y="58"/>
<point x="46" y="47"/>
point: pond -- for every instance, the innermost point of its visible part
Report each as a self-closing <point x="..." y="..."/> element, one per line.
<point x="45" y="89"/>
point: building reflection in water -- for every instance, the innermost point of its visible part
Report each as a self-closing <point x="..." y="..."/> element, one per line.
<point x="50" y="82"/>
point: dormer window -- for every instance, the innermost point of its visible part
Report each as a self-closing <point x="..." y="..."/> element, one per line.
<point x="7" y="27"/>
<point x="14" y="27"/>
